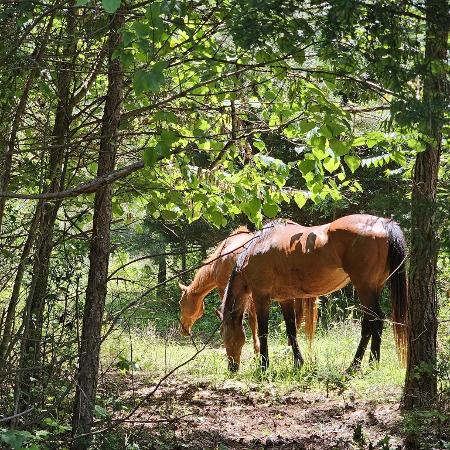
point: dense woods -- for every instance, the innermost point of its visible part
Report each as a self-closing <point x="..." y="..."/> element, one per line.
<point x="136" y="135"/>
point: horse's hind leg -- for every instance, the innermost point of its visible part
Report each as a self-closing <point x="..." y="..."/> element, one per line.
<point x="253" y="322"/>
<point x="376" y="327"/>
<point x="288" y="309"/>
<point x="262" y="307"/>
<point x="371" y="325"/>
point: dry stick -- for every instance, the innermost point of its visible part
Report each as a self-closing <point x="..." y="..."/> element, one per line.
<point x="15" y="416"/>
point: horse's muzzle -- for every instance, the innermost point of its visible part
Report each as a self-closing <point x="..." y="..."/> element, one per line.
<point x="184" y="330"/>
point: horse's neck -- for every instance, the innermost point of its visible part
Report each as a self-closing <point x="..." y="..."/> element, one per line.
<point x="204" y="281"/>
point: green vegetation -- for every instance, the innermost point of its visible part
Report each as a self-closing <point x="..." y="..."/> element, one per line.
<point x="136" y="134"/>
<point x="324" y="369"/>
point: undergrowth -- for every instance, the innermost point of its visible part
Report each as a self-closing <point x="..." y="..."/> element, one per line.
<point x="324" y="369"/>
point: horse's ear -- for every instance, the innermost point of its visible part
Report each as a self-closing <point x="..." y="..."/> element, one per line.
<point x="182" y="286"/>
<point x="219" y="314"/>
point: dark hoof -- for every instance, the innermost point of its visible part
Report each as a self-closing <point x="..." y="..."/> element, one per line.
<point x="232" y="366"/>
<point x="352" y="370"/>
<point x="298" y="364"/>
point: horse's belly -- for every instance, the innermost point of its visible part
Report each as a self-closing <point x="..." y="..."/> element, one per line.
<point x="309" y="284"/>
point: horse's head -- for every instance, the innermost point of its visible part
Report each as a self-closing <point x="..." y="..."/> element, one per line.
<point x="232" y="331"/>
<point x="191" y="307"/>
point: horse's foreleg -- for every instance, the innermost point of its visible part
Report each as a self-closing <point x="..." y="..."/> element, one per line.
<point x="288" y="309"/>
<point x="253" y="322"/>
<point x="262" y="307"/>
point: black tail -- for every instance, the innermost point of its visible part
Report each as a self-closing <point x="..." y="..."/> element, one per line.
<point x="399" y="287"/>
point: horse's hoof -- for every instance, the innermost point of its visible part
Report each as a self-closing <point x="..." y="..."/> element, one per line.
<point x="298" y="365"/>
<point x="351" y="371"/>
<point x="233" y="366"/>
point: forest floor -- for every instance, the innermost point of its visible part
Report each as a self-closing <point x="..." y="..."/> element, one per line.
<point x="186" y="413"/>
<point x="202" y="406"/>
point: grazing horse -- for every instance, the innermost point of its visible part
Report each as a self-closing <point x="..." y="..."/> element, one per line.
<point x="287" y="260"/>
<point x="215" y="274"/>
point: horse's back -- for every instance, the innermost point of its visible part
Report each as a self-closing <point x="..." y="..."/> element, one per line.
<point x="361" y="225"/>
<point x="361" y="243"/>
<point x="293" y="260"/>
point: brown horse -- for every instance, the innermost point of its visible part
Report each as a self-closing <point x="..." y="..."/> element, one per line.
<point x="287" y="260"/>
<point x="215" y="273"/>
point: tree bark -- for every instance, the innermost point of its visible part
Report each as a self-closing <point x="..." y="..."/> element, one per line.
<point x="34" y="308"/>
<point x="10" y="146"/>
<point x="421" y="386"/>
<point x="162" y="271"/>
<point x="14" y="299"/>
<point x="99" y="253"/>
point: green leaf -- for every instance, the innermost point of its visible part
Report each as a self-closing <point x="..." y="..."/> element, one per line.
<point x="331" y="164"/>
<point x="339" y="148"/>
<point x="148" y="80"/>
<point x="168" y="214"/>
<point x="139" y="82"/>
<point x="141" y="29"/>
<point x="111" y="6"/>
<point x="319" y="153"/>
<point x="259" y="145"/>
<point x="306" y="126"/>
<point x="253" y="206"/>
<point x="150" y="156"/>
<point x="162" y="149"/>
<point x="217" y="218"/>
<point x="15" y="438"/>
<point x="318" y="142"/>
<point x="270" y="209"/>
<point x="325" y="131"/>
<point x="300" y="199"/>
<point x="82" y="2"/>
<point x="168" y="137"/>
<point x="353" y="162"/>
<point x="306" y="166"/>
<point x="100" y="412"/>
<point x="117" y="209"/>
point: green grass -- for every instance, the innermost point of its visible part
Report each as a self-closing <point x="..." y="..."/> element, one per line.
<point x="331" y="354"/>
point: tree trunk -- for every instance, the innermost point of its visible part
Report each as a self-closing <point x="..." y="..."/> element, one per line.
<point x="420" y="386"/>
<point x="10" y="146"/>
<point x="183" y="251"/>
<point x="14" y="299"/>
<point x="34" y="308"/>
<point x="162" y="272"/>
<point x="99" y="253"/>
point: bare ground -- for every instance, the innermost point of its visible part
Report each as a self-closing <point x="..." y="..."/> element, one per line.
<point x="186" y="413"/>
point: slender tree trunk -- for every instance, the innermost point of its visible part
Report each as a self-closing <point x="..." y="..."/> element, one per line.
<point x="34" y="308"/>
<point x="10" y="146"/>
<point x="420" y="386"/>
<point x="183" y="248"/>
<point x="162" y="271"/>
<point x="99" y="253"/>
<point x="11" y="312"/>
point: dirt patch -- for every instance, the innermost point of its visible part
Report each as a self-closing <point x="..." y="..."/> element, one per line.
<point x="187" y="414"/>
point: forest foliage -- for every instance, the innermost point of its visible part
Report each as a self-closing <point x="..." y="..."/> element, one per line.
<point x="212" y="114"/>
